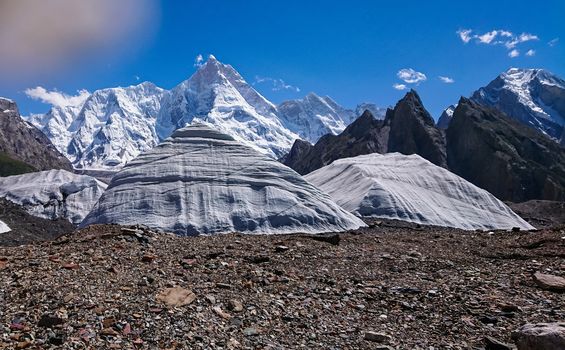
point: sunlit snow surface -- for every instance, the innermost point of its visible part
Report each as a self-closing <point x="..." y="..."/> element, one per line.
<point x="3" y="227"/>
<point x="410" y="188"/>
<point x="53" y="194"/>
<point x="201" y="181"/>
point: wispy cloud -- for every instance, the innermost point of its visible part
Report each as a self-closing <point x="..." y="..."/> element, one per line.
<point x="136" y="77"/>
<point x="410" y="76"/>
<point x="503" y="37"/>
<point x="198" y="60"/>
<point x="446" y="80"/>
<point x="531" y="53"/>
<point x="465" y="35"/>
<point x="553" y="42"/>
<point x="276" y="84"/>
<point x="56" y="98"/>
<point x="399" y="86"/>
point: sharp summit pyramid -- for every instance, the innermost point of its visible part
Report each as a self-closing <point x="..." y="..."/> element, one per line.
<point x="201" y="181"/>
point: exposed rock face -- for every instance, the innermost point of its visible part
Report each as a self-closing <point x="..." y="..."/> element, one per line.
<point x="23" y="142"/>
<point x="408" y="129"/>
<point x="540" y="336"/>
<point x="534" y="97"/>
<point x="299" y="149"/>
<point x="506" y="158"/>
<point x="413" y="131"/>
<point x="410" y="188"/>
<point x="365" y="135"/>
<point x="201" y="181"/>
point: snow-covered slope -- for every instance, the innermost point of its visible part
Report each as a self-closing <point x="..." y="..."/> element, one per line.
<point x="218" y="96"/>
<point x="53" y="194"/>
<point x="313" y="117"/>
<point x="410" y="188"/>
<point x="535" y="97"/>
<point x="201" y="181"/>
<point x="4" y="228"/>
<point x="111" y="127"/>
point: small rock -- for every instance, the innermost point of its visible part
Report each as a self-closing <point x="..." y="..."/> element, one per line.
<point x="235" y="305"/>
<point x="109" y="332"/>
<point x="71" y="266"/>
<point x="494" y="344"/>
<point x="49" y="321"/>
<point x="550" y="282"/>
<point x="176" y="296"/>
<point x="148" y="258"/>
<point x="218" y="310"/>
<point x="250" y="332"/>
<point x="540" y="336"/>
<point x="281" y="248"/>
<point x="377" y="337"/>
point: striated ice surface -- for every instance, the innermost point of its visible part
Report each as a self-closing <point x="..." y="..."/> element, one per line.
<point x="410" y="188"/>
<point x="202" y="181"/>
<point x="53" y="194"/>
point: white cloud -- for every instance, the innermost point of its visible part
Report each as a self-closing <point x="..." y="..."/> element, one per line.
<point x="465" y="35"/>
<point x="51" y="37"/>
<point x="498" y="37"/>
<point x="410" y="76"/>
<point x="136" y="77"/>
<point x="56" y="98"/>
<point x="276" y="84"/>
<point x="399" y="86"/>
<point x="198" y="60"/>
<point x="531" y="52"/>
<point x="487" y="38"/>
<point x="446" y="80"/>
<point x="553" y="42"/>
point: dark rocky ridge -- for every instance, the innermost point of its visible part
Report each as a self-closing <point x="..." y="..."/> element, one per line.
<point x="408" y="129"/>
<point x="413" y="131"/>
<point x="365" y="135"/>
<point x="23" y="142"/>
<point x="503" y="156"/>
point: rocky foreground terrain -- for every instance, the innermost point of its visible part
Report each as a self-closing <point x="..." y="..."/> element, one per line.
<point x="390" y="286"/>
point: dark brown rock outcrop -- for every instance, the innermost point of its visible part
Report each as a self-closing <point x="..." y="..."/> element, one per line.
<point x="22" y="142"/>
<point x="501" y="155"/>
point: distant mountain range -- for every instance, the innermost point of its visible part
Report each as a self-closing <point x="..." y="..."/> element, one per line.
<point x="113" y="126"/>
<point x="481" y="144"/>
<point x="534" y="97"/>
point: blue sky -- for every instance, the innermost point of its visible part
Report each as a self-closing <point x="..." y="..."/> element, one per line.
<point x="350" y="50"/>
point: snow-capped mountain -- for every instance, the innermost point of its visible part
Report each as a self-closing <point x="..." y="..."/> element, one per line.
<point x="112" y="126"/>
<point x="445" y="117"/>
<point x="201" y="181"/>
<point x="377" y="112"/>
<point x="218" y="96"/>
<point x="313" y="117"/>
<point x="535" y="97"/>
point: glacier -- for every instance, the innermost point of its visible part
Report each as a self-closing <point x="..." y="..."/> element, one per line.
<point x="203" y="181"/>
<point x="53" y="194"/>
<point x="410" y="188"/>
